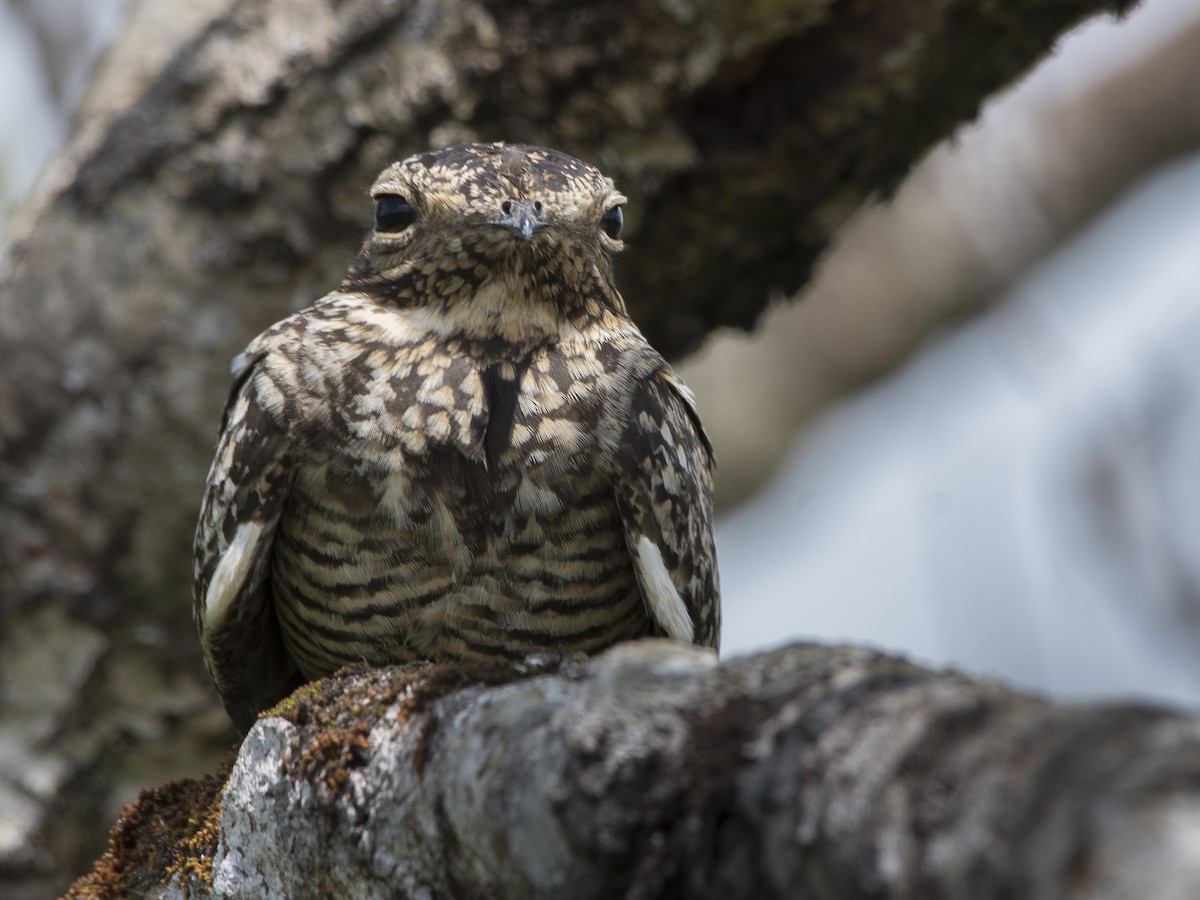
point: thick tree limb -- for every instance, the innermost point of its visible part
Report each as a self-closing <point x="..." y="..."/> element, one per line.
<point x="220" y="185"/>
<point x="653" y="772"/>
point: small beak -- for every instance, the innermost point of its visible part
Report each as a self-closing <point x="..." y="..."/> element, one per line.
<point x="521" y="217"/>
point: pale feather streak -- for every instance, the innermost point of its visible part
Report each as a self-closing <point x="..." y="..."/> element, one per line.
<point x="662" y="597"/>
<point x="231" y="572"/>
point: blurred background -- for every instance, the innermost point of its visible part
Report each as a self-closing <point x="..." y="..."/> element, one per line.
<point x="975" y="438"/>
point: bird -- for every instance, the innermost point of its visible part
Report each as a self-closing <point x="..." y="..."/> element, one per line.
<point x="466" y="453"/>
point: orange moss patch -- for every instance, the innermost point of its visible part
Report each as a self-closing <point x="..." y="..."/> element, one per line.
<point x="336" y="715"/>
<point x="170" y="831"/>
<point x="338" y="712"/>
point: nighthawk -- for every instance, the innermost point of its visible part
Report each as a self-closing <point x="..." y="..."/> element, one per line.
<point x="466" y="452"/>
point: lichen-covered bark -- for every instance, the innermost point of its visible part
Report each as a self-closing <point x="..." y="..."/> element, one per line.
<point x="214" y="182"/>
<point x="651" y="771"/>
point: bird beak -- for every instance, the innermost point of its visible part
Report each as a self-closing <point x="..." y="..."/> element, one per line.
<point x="522" y="218"/>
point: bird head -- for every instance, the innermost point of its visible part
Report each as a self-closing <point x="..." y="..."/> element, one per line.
<point x="452" y="222"/>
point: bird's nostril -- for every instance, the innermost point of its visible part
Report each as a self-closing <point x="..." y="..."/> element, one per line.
<point x="506" y="207"/>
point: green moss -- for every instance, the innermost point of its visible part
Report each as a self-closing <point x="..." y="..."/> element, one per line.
<point x="289" y="708"/>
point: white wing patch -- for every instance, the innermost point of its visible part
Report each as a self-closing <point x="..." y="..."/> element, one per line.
<point x="662" y="597"/>
<point x="231" y="572"/>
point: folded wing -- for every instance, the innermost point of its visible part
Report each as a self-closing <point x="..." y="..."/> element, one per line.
<point x="665" y="499"/>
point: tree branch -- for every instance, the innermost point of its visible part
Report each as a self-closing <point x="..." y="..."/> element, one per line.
<point x="651" y="771"/>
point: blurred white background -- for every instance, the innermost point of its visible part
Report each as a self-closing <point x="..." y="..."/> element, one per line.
<point x="1023" y="497"/>
<point x="985" y="409"/>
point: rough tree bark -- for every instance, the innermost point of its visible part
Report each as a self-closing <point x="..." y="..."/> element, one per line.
<point x="650" y="771"/>
<point x="214" y="182"/>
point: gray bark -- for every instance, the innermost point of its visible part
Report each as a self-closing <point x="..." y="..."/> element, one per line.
<point x="214" y="182"/>
<point x="652" y="771"/>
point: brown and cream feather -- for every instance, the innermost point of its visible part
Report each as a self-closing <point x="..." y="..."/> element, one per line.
<point x="466" y="452"/>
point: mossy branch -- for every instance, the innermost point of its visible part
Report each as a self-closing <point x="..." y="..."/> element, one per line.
<point x="652" y="771"/>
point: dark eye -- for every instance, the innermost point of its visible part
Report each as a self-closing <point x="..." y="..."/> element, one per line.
<point x="392" y="213"/>
<point x="612" y="221"/>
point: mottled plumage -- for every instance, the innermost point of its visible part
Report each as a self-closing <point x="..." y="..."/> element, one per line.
<point x="468" y="451"/>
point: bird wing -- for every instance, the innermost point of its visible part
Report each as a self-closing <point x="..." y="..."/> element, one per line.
<point x="665" y="500"/>
<point x="243" y="500"/>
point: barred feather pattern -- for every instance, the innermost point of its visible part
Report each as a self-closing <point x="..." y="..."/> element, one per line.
<point x="467" y="452"/>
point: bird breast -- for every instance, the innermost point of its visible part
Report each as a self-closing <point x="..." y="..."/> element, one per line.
<point x="451" y="501"/>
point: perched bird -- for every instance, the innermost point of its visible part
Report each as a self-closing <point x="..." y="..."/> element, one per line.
<point x="466" y="452"/>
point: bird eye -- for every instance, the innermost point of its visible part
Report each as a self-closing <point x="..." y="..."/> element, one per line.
<point x="612" y="222"/>
<point x="393" y="213"/>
